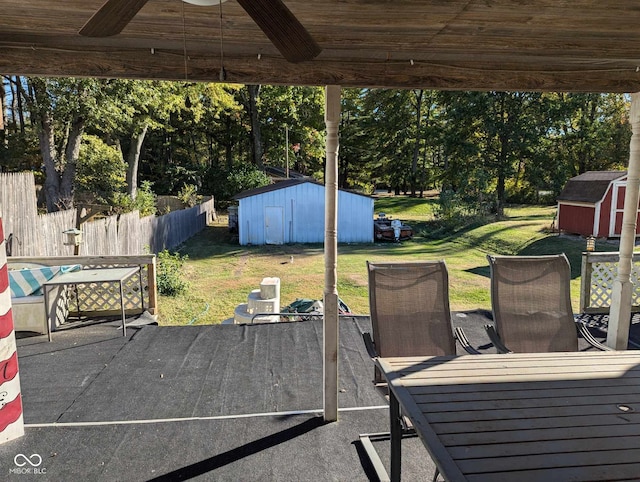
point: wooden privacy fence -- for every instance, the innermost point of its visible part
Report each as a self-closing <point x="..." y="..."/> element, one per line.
<point x="131" y="234"/>
<point x="19" y="212"/>
<point x="125" y="234"/>
<point x="599" y="271"/>
<point x="51" y="227"/>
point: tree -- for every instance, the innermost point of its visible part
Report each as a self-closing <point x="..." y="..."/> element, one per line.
<point x="19" y="149"/>
<point x="487" y="147"/>
<point x="133" y="108"/>
<point x="272" y="111"/>
<point x="201" y="132"/>
<point x="253" y="92"/>
<point x="391" y="118"/>
<point x="356" y="157"/>
<point x="60" y="110"/>
<point x="100" y="170"/>
<point x="490" y="137"/>
<point x="589" y="131"/>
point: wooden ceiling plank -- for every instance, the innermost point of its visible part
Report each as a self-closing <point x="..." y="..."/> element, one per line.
<point x="579" y="45"/>
<point x="163" y="65"/>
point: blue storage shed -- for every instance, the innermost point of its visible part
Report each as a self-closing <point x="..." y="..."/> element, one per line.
<point x="292" y="211"/>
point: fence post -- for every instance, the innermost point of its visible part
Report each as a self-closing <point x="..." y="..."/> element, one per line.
<point x="585" y="283"/>
<point x="153" y="289"/>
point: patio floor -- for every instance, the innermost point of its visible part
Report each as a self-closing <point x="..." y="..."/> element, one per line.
<point x="223" y="402"/>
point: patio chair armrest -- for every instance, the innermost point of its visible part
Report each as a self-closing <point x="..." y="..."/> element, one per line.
<point x="495" y="339"/>
<point x="460" y="335"/>
<point x="369" y="345"/>
<point x="586" y="334"/>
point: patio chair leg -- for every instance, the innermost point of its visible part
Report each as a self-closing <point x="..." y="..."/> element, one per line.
<point x="396" y="437"/>
<point x="374" y="458"/>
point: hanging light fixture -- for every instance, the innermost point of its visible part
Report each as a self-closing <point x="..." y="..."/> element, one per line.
<point x="204" y="3"/>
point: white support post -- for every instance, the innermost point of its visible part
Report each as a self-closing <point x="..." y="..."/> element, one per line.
<point x="620" y="312"/>
<point x="11" y="420"/>
<point x="330" y="318"/>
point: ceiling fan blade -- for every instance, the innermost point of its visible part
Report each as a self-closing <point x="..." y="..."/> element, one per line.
<point x="112" y="18"/>
<point x="284" y="30"/>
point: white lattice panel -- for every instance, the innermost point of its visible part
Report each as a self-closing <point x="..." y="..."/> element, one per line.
<point x="603" y="275"/>
<point x="101" y="297"/>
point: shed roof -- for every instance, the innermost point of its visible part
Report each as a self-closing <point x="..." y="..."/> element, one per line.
<point x="589" y="187"/>
<point x="284" y="185"/>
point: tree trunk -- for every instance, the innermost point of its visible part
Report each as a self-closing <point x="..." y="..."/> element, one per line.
<point x="20" y="96"/>
<point x="49" y="157"/>
<point x="502" y="157"/>
<point x="256" y="133"/>
<point x="416" y="147"/>
<point x="500" y="194"/>
<point x="40" y="110"/>
<point x="13" y="86"/>
<point x="343" y="172"/>
<point x="228" y="148"/>
<point x="72" y="152"/>
<point x="133" y="159"/>
<point x="3" y="137"/>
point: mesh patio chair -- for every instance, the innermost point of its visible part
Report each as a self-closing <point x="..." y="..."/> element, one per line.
<point x="531" y="301"/>
<point x="410" y="316"/>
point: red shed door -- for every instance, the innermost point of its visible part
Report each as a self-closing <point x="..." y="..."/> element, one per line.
<point x="617" y="209"/>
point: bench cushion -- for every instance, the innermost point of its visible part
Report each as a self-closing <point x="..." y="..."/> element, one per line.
<point x="28" y="282"/>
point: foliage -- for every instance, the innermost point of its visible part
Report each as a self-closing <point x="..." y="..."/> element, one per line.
<point x="145" y="201"/>
<point x="300" y="111"/>
<point x="189" y="195"/>
<point x="487" y="147"/>
<point x="202" y="131"/>
<point x="455" y="211"/>
<point x="169" y="276"/>
<point x="100" y="169"/>
<point x="224" y="184"/>
<point x="59" y="110"/>
<point x="19" y="151"/>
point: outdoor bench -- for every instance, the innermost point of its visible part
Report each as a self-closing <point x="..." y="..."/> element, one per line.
<point x="27" y="298"/>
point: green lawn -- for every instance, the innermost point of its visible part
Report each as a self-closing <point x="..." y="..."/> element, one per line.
<point x="222" y="273"/>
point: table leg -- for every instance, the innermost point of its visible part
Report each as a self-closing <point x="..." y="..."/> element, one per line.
<point x="124" y="326"/>
<point x="141" y="288"/>
<point x="396" y="437"/>
<point x="46" y="290"/>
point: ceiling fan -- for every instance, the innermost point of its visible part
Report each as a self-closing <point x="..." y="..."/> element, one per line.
<point x="273" y="17"/>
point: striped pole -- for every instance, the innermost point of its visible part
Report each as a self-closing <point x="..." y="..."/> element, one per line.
<point x="11" y="421"/>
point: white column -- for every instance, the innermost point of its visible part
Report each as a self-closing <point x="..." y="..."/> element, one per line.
<point x="620" y="312"/>
<point x="330" y="319"/>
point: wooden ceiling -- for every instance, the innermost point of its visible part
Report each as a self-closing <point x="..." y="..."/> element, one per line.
<point x="541" y="45"/>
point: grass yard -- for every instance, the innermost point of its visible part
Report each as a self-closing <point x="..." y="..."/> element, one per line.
<point x="222" y="274"/>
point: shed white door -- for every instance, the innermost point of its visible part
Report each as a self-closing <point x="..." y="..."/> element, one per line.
<point x="273" y="225"/>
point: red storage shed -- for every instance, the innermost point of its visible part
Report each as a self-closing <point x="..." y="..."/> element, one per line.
<point x="592" y="204"/>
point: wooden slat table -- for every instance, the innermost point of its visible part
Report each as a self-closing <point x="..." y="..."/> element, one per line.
<point x="521" y="417"/>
